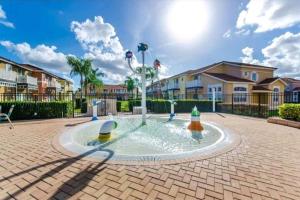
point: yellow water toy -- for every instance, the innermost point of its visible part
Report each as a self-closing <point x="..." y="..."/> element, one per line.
<point x="105" y="130"/>
<point x="195" y="125"/>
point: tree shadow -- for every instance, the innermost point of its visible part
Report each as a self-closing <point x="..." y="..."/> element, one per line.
<point x="68" y="162"/>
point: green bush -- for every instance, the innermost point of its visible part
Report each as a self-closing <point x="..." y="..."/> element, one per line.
<point x="182" y="106"/>
<point x="123" y="106"/>
<point x="38" y="110"/>
<point x="290" y="111"/>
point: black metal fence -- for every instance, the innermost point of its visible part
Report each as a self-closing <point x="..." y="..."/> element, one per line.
<point x="254" y="104"/>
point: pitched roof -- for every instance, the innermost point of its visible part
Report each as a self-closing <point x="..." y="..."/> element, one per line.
<point x="271" y="80"/>
<point x="296" y="89"/>
<point x="268" y="80"/>
<point x="248" y="64"/>
<point x="10" y="62"/>
<point x="229" y="78"/>
<point x="236" y="64"/>
<point x="293" y="80"/>
<point x="259" y="87"/>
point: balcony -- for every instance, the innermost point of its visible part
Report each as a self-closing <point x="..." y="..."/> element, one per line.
<point x="193" y="84"/>
<point x="54" y="84"/>
<point x="173" y="86"/>
<point x="27" y="79"/>
<point x="8" y="75"/>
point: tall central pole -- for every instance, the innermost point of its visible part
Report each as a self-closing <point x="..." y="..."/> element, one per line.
<point x="144" y="108"/>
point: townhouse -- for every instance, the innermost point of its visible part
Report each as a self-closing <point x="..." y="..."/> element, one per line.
<point x="231" y="81"/>
<point x="292" y="90"/>
<point x="119" y="90"/>
<point x="28" y="79"/>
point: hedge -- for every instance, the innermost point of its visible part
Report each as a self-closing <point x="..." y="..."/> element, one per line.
<point x="38" y="110"/>
<point x="164" y="106"/>
<point x="290" y="111"/>
<point x="123" y="106"/>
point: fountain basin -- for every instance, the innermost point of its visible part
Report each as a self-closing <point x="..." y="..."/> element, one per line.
<point x="159" y="141"/>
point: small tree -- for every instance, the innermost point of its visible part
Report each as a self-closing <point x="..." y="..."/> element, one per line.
<point x="81" y="67"/>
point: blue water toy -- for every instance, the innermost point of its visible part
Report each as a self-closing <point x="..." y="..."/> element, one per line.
<point x="105" y="130"/>
<point x="172" y="114"/>
<point x="95" y="105"/>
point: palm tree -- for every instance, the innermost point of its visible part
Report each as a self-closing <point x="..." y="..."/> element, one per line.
<point x="81" y="67"/>
<point x="93" y="78"/>
<point x="150" y="74"/>
<point x="130" y="84"/>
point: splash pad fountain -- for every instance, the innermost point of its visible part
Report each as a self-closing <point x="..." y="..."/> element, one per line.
<point x="147" y="140"/>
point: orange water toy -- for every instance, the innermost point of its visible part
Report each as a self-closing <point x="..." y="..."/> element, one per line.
<point x="195" y="125"/>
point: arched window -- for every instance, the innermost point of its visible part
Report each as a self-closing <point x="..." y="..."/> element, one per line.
<point x="276" y="94"/>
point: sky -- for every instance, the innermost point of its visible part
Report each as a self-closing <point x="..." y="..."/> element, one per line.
<point x="183" y="35"/>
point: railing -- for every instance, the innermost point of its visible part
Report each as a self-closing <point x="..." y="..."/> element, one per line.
<point x="8" y="75"/>
<point x="27" y="79"/>
<point x="193" y="84"/>
<point x="55" y="84"/>
<point x="173" y="86"/>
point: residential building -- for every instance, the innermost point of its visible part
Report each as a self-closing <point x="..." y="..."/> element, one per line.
<point x="119" y="90"/>
<point x="292" y="90"/>
<point x="28" y="79"/>
<point x="14" y="78"/>
<point x="239" y="79"/>
<point x="49" y="83"/>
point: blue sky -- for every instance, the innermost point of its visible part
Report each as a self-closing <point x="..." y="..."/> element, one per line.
<point x="44" y="32"/>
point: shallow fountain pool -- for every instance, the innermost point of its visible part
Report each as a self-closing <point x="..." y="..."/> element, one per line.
<point x="156" y="141"/>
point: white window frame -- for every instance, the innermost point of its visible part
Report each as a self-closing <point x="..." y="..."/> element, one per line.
<point x="240" y="96"/>
<point x="295" y="96"/>
<point x="254" y="72"/>
<point x="275" y="95"/>
<point x="219" y="94"/>
<point x="245" y="74"/>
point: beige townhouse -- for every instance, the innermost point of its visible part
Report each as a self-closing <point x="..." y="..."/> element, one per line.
<point x="243" y="80"/>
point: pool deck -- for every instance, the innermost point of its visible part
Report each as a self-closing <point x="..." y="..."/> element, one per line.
<point x="265" y="165"/>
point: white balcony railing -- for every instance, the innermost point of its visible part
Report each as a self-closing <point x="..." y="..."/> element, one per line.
<point x="8" y="75"/>
<point x="193" y="83"/>
<point x="54" y="84"/>
<point x="27" y="79"/>
<point x="173" y="86"/>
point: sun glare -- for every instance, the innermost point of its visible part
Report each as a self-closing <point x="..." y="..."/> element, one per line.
<point x="187" y="19"/>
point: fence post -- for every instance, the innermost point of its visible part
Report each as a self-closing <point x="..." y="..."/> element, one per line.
<point x="232" y="98"/>
<point x="214" y="99"/>
<point x="73" y="104"/>
<point x="259" y="104"/>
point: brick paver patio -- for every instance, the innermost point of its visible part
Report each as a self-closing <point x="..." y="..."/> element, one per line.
<point x="266" y="165"/>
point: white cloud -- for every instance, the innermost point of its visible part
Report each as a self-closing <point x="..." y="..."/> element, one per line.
<point x="41" y="55"/>
<point x="102" y="45"/>
<point x="242" y="32"/>
<point x="248" y="56"/>
<point x="3" y="19"/>
<point x="282" y="52"/>
<point x="227" y="34"/>
<point x="267" y="15"/>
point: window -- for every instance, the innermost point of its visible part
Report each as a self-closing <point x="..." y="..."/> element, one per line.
<point x="246" y="74"/>
<point x="295" y="96"/>
<point x="240" y="94"/>
<point x="276" y="94"/>
<point x="254" y="76"/>
<point x="218" y="90"/>
<point x="8" y="67"/>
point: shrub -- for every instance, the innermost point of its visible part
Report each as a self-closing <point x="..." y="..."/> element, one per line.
<point x="290" y="111"/>
<point x="123" y="106"/>
<point x="38" y="110"/>
<point x="182" y="106"/>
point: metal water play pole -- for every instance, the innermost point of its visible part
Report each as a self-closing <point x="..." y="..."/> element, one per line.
<point x="143" y="77"/>
<point x="214" y="99"/>
<point x="141" y="47"/>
